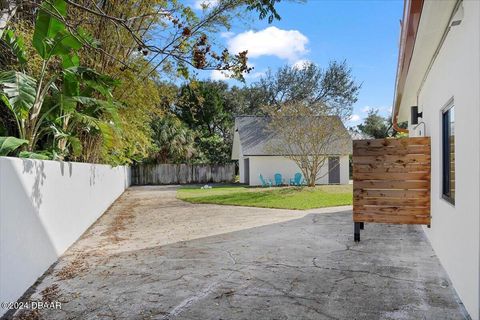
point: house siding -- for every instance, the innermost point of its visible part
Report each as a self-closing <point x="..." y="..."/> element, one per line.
<point x="268" y="166"/>
<point x="454" y="232"/>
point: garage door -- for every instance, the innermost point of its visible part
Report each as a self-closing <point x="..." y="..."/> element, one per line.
<point x="334" y="170"/>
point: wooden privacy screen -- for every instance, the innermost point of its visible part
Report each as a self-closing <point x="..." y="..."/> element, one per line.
<point x="391" y="180"/>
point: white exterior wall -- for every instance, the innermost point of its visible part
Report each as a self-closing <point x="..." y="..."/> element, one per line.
<point x="344" y="169"/>
<point x="45" y="206"/>
<point x="455" y="230"/>
<point x="268" y="166"/>
<point x="241" y="167"/>
<point x="241" y="170"/>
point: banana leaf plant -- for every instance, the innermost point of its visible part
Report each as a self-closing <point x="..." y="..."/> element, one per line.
<point x="58" y="103"/>
<point x="10" y="144"/>
<point x="78" y="110"/>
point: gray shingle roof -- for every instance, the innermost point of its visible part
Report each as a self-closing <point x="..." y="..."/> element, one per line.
<point x="255" y="137"/>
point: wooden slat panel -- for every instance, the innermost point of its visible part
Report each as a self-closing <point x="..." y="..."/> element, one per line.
<point x="386" y="193"/>
<point x="398" y="159"/>
<point x="425" y="202"/>
<point x="400" y="150"/>
<point x="391" y="180"/>
<point x="391" y="176"/>
<point x="400" y="210"/>
<point x="391" y="184"/>
<point x="366" y="168"/>
<point x="420" y="141"/>
<point x="391" y="219"/>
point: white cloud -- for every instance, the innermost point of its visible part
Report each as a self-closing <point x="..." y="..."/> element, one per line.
<point x="200" y="4"/>
<point x="367" y="109"/>
<point x="300" y="64"/>
<point x="227" y="34"/>
<point x="218" y="75"/>
<point x="272" y="41"/>
<point x="355" y="118"/>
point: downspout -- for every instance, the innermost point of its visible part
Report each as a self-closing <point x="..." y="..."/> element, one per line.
<point x="395" y="124"/>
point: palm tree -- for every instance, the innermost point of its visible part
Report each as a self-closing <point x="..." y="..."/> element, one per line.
<point x="173" y="139"/>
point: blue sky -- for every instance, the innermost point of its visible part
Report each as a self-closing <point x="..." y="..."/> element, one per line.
<point x="365" y="33"/>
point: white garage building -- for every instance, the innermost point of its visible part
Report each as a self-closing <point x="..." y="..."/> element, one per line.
<point x="250" y="148"/>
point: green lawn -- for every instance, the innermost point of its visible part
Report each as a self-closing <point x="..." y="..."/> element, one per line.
<point x="282" y="198"/>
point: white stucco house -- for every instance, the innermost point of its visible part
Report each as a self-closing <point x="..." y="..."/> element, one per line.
<point x="251" y="148"/>
<point x="438" y="93"/>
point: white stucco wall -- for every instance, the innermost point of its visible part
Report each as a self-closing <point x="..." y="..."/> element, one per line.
<point x="241" y="168"/>
<point x="344" y="169"/>
<point x="455" y="230"/>
<point x="45" y="206"/>
<point x="268" y="166"/>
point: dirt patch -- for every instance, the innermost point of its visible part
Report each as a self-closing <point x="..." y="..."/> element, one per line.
<point x="120" y="223"/>
<point x="50" y="293"/>
<point x="28" y="315"/>
<point x="78" y="265"/>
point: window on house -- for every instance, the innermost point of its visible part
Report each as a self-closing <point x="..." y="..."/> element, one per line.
<point x="448" y="154"/>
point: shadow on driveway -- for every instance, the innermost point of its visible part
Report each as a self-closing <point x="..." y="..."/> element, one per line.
<point x="297" y="266"/>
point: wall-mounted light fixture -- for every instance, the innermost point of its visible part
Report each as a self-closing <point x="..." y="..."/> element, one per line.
<point x="414" y="115"/>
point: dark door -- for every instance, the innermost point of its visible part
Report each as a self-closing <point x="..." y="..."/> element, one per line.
<point x="334" y="170"/>
<point x="246" y="170"/>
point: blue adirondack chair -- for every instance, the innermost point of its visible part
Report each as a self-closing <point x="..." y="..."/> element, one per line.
<point x="265" y="182"/>
<point x="278" y="179"/>
<point x="297" y="180"/>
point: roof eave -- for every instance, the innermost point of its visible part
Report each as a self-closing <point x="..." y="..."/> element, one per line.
<point x="409" y="27"/>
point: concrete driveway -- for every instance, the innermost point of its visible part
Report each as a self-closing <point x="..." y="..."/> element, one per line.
<point x="152" y="256"/>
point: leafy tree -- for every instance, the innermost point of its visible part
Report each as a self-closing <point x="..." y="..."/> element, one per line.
<point x="203" y="107"/>
<point x="246" y="100"/>
<point x="377" y="126"/>
<point x="374" y="125"/>
<point x="330" y="90"/>
<point x="173" y="140"/>
<point x="214" y="149"/>
<point x="306" y="107"/>
<point x="183" y="38"/>
<point x="137" y="43"/>
<point x="209" y="108"/>
<point x="134" y="140"/>
<point x="142" y="42"/>
<point x="306" y="138"/>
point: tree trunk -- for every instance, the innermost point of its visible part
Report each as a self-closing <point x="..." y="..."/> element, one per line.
<point x="7" y="11"/>
<point x="311" y="180"/>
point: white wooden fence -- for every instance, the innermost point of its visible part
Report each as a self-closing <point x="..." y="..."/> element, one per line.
<point x="152" y="174"/>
